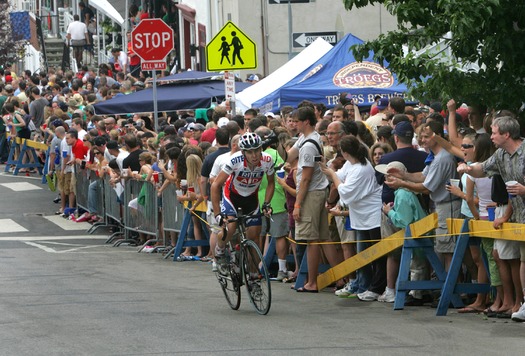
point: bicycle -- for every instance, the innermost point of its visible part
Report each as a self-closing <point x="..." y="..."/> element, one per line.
<point x="246" y="267"/>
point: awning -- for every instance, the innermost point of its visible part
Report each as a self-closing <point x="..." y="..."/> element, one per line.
<point x="107" y="9"/>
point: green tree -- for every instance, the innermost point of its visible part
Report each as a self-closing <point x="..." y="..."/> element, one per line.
<point x="11" y="49"/>
<point x="487" y="33"/>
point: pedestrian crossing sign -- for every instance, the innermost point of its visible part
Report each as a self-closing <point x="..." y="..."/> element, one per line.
<point x="230" y="49"/>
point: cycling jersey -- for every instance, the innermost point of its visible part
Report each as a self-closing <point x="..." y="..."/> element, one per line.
<point x="242" y="180"/>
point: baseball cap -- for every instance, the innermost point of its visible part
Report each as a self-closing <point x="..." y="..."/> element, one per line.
<point x="198" y="127"/>
<point x="223" y="121"/>
<point x="269" y="113"/>
<point x="404" y="129"/>
<point x="384" y="168"/>
<point x="382" y="103"/>
<point x="253" y="77"/>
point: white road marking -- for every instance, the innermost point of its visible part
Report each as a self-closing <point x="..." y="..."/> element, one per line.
<point x="76" y="249"/>
<point x="42" y="247"/>
<point x="21" y="186"/>
<point x="66" y="224"/>
<point x="52" y="250"/>
<point x="48" y="238"/>
<point x="9" y="225"/>
<point x="20" y="175"/>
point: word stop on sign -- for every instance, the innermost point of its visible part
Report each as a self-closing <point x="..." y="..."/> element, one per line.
<point x="152" y="40"/>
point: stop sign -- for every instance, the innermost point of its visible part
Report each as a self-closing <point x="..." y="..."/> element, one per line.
<point x="152" y="40"/>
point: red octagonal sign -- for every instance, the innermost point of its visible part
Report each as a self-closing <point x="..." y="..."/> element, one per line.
<point x="152" y="40"/>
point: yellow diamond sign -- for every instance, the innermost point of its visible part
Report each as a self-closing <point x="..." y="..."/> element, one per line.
<point x="230" y="49"/>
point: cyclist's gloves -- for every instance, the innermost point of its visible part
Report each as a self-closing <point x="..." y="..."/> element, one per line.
<point x="267" y="208"/>
<point x="220" y="219"/>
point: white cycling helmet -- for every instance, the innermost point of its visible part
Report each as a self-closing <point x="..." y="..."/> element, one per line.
<point x="250" y="141"/>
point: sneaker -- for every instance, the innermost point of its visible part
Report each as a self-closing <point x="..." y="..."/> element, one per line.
<point x="148" y="249"/>
<point x="519" y="316"/>
<point x="214" y="267"/>
<point x="281" y="275"/>
<point x="222" y="263"/>
<point x="389" y="296"/>
<point x="344" y="292"/>
<point x="368" y="296"/>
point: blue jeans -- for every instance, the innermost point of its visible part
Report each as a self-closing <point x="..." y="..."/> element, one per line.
<point x="93" y="193"/>
<point x="364" y="274"/>
<point x="372" y="276"/>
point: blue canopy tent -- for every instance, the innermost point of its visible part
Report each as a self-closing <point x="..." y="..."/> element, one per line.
<point x="188" y="76"/>
<point x="336" y="72"/>
<point x="169" y="98"/>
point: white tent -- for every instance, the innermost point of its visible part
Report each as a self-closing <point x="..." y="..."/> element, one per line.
<point x="107" y="9"/>
<point x="283" y="75"/>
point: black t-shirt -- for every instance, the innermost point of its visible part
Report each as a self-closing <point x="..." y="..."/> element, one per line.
<point x="132" y="161"/>
<point x="413" y="159"/>
<point x="207" y="165"/>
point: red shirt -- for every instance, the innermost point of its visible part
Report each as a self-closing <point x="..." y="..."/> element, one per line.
<point x="79" y="150"/>
<point x="209" y="135"/>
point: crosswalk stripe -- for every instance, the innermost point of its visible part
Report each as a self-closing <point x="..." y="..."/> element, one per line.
<point x="9" y="225"/>
<point x="21" y="186"/>
<point x="66" y="224"/>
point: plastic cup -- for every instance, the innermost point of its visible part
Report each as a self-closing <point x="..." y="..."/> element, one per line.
<point x="156" y="177"/>
<point x="64" y="154"/>
<point x="510" y="183"/>
<point x="454" y="182"/>
<point x="492" y="212"/>
<point x="183" y="185"/>
<point x="280" y="174"/>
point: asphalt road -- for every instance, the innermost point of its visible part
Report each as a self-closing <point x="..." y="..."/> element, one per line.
<point x="67" y="293"/>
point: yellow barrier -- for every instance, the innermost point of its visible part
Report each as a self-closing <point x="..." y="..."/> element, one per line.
<point x="484" y="228"/>
<point x="33" y="144"/>
<point x="383" y="247"/>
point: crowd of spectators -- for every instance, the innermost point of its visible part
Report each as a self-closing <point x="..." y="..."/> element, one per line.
<point x="352" y="176"/>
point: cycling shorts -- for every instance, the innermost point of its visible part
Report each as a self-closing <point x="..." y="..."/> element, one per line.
<point x="249" y="206"/>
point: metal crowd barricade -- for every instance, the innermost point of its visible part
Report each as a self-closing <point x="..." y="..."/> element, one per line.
<point x="142" y="216"/>
<point x="112" y="207"/>
<point x="81" y="186"/>
<point x="172" y="212"/>
<point x="100" y="202"/>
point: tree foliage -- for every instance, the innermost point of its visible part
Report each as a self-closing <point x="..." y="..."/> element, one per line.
<point x="11" y="49"/>
<point x="487" y="33"/>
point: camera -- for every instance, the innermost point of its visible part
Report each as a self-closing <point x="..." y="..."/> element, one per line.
<point x="269" y="140"/>
<point x="318" y="158"/>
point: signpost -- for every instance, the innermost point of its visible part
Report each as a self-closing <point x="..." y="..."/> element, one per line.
<point x="152" y="41"/>
<point x="304" y="39"/>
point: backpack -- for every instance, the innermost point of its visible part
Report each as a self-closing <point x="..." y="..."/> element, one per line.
<point x="315" y="144"/>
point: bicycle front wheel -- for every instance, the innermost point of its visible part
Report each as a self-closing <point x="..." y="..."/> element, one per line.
<point x="256" y="277"/>
<point x="231" y="287"/>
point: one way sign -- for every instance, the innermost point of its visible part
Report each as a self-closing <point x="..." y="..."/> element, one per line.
<point x="304" y="39"/>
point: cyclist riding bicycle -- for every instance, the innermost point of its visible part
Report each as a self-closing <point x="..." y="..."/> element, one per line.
<point x="240" y="180"/>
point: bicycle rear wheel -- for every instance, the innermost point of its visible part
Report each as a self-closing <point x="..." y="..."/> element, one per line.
<point x="231" y="287"/>
<point x="256" y="277"/>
